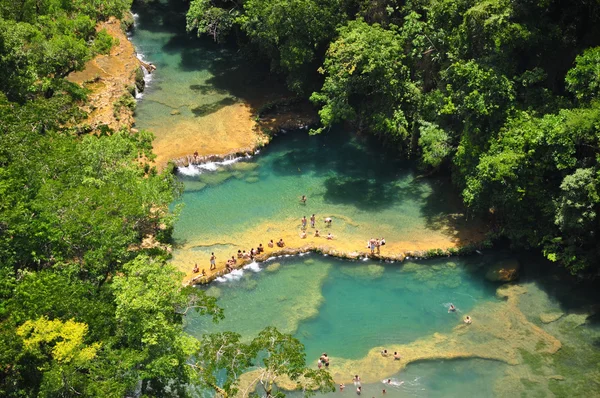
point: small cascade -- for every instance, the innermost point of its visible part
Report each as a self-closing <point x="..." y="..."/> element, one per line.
<point x="194" y="165"/>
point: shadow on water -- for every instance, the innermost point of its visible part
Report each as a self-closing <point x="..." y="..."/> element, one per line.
<point x="573" y="294"/>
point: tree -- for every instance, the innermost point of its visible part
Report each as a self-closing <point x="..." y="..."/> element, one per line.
<point x="366" y="81"/>
<point x="583" y="81"/>
<point x="223" y="357"/>
<point x="150" y="305"/>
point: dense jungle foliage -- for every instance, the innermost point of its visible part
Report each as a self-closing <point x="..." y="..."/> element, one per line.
<point x="87" y="308"/>
<point x="502" y="93"/>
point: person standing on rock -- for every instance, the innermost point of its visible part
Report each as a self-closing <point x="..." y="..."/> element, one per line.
<point x="312" y="221"/>
<point x="304" y="222"/>
<point x="213" y="261"/>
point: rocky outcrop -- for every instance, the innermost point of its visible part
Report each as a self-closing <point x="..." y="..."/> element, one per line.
<point x="112" y="79"/>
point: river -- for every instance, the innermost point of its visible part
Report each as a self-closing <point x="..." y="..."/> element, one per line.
<point x="530" y="338"/>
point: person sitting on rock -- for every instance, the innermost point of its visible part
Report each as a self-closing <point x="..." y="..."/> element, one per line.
<point x="468" y="320"/>
<point x="280" y="243"/>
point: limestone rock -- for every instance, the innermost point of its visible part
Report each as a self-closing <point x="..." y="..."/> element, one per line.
<point x="175" y="112"/>
<point x="504" y="271"/>
<point x="556" y="377"/>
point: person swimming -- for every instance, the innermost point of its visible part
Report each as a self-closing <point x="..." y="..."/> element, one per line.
<point x="358" y="390"/>
<point x="342" y="386"/>
<point x="303" y="199"/>
<point x="328" y="221"/>
<point x="452" y="308"/>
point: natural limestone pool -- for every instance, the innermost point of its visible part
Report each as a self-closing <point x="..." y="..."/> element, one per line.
<point x="531" y="338"/>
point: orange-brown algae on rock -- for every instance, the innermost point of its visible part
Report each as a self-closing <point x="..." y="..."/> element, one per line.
<point x="109" y="77"/>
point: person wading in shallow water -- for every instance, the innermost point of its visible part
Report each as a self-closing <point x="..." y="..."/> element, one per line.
<point x="303" y="199"/>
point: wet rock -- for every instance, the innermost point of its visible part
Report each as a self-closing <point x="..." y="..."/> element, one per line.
<point x="273" y="267"/>
<point x="503" y="271"/>
<point x="556" y="377"/>
<point x="175" y="112"/>
<point x="550" y="317"/>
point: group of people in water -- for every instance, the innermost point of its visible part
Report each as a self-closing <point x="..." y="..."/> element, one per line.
<point x="313" y="220"/>
<point x="467" y="319"/>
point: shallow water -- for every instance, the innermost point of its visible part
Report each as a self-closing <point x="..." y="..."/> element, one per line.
<point x="451" y="378"/>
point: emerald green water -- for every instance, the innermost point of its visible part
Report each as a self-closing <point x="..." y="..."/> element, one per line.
<point x="345" y="308"/>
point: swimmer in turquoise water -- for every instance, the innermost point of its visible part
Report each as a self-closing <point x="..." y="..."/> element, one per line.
<point x="452" y="308"/>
